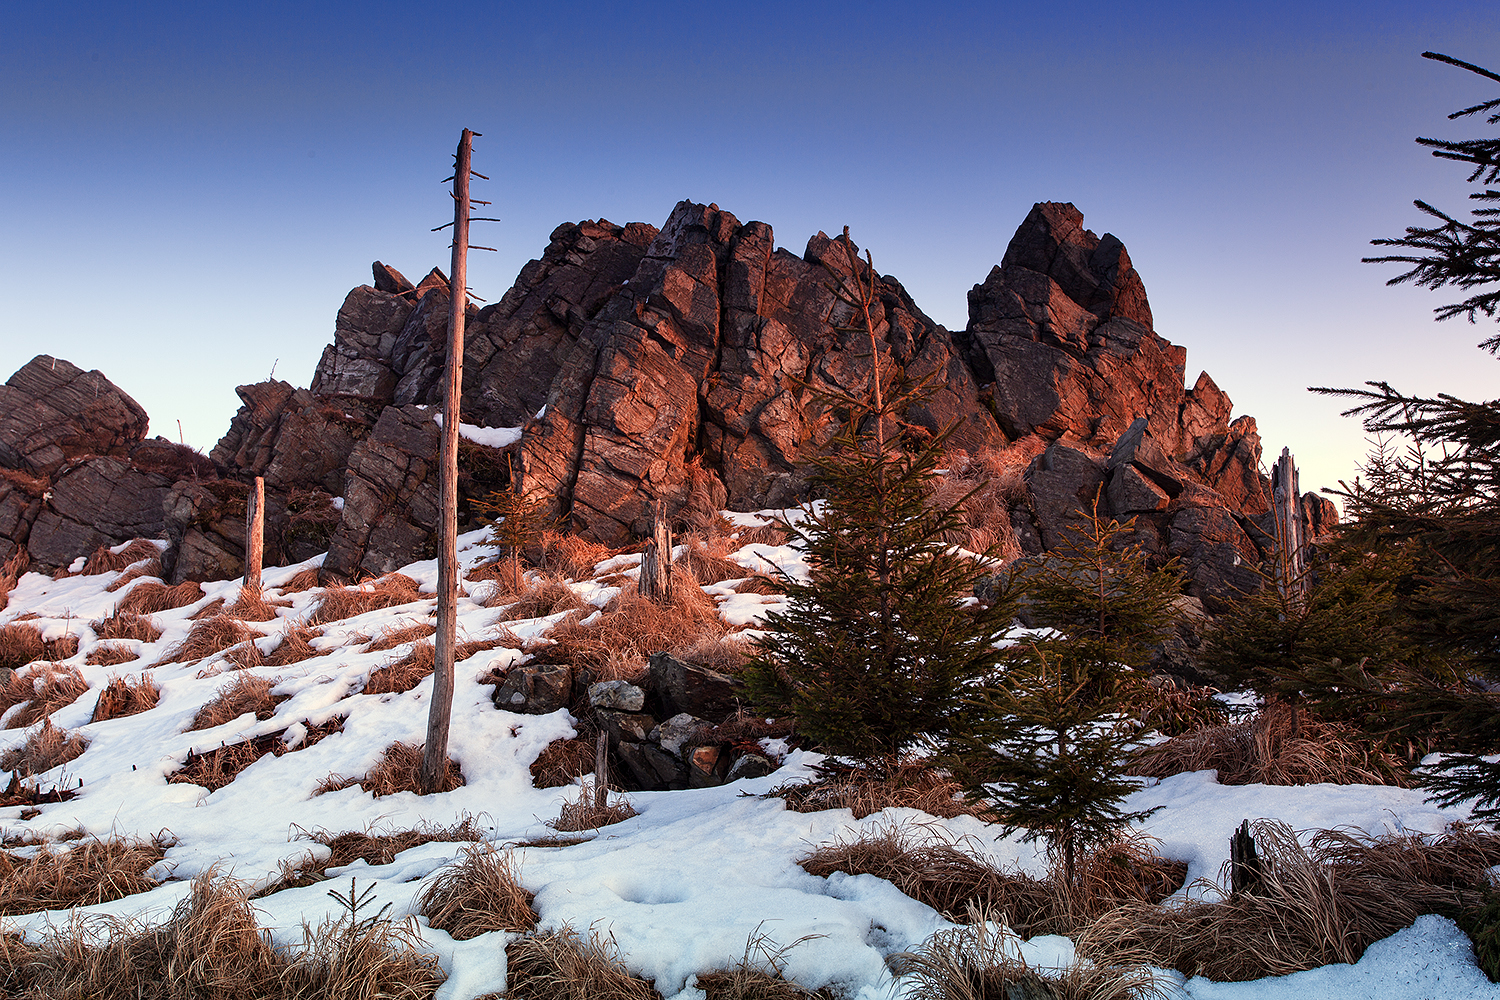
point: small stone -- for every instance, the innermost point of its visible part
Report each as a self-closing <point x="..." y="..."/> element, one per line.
<point x="676" y="731"/>
<point x="751" y="765"/>
<point x="617" y="695"/>
<point x="535" y="690"/>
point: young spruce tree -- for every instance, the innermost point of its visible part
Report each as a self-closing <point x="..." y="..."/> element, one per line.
<point x="873" y="652"/>
<point x="1045" y="740"/>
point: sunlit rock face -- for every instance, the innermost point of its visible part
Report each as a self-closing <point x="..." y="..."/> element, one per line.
<point x="688" y="368"/>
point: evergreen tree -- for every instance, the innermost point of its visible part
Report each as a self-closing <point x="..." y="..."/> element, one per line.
<point x="515" y="520"/>
<point x="873" y="651"/>
<point x="1441" y="506"/>
<point x="1045" y="739"/>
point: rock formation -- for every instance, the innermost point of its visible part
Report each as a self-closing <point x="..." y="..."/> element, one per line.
<point x="687" y="367"/>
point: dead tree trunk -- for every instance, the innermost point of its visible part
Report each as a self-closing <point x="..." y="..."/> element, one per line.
<point x="255" y="533"/>
<point x="655" y="583"/>
<point x="435" y="752"/>
<point x="1291" y="557"/>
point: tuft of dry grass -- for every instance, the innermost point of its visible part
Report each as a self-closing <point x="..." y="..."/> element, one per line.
<point x="584" y="813"/>
<point x="122" y="697"/>
<point x="294" y="647"/>
<point x="110" y="654"/>
<point x="761" y="534"/>
<point x="1311" y="906"/>
<point x="400" y="635"/>
<point x="149" y="597"/>
<point x="560" y="965"/>
<point x="537" y="598"/>
<point x="913" y="784"/>
<point x="104" y="561"/>
<point x="305" y="579"/>
<point x="982" y="961"/>
<point x="561" y="762"/>
<point x="381" y="848"/>
<point x="759" y="975"/>
<point x="479" y="894"/>
<point x="706" y="557"/>
<point x="572" y="556"/>
<point x="405" y="673"/>
<point x="207" y="637"/>
<point x="727" y="654"/>
<point x="87" y="873"/>
<point x="20" y="645"/>
<point x="985" y="487"/>
<point x="251" y="605"/>
<point x="1175" y="710"/>
<point x="630" y="628"/>
<point x="389" y="591"/>
<point x="395" y="772"/>
<point x="213" y="769"/>
<point x="46" y="747"/>
<point x="938" y="872"/>
<point x="10" y="573"/>
<point x="126" y="625"/>
<point x="246" y="693"/>
<point x="44" y="688"/>
<point x="1262" y="750"/>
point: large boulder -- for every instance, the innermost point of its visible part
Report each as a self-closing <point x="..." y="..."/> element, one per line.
<point x="52" y="411"/>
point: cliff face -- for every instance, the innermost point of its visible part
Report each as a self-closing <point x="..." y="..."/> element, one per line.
<point x="683" y="367"/>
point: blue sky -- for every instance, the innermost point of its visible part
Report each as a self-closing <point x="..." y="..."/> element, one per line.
<point x="187" y="191"/>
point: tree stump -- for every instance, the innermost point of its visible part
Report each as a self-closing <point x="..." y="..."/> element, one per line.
<point x="1245" y="869"/>
<point x="655" y="583"/>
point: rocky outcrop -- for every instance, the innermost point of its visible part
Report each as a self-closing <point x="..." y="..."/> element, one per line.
<point x="685" y="368"/>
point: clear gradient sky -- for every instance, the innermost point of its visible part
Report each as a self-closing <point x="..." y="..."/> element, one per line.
<point x="187" y="191"/>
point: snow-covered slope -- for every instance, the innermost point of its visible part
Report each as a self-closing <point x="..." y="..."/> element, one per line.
<point x="681" y="887"/>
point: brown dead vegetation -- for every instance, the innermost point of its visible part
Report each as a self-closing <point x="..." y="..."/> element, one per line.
<point x="207" y="637"/>
<point x="251" y="605"/>
<point x="400" y="635"/>
<point x="122" y="697"/>
<point x="1263" y="750"/>
<point x="87" y="873"/>
<point x="1175" y="709"/>
<point x="46" y="747"/>
<point x="560" y="965"/>
<point x="294" y="647"/>
<point x="584" y="813"/>
<point x="914" y="784"/>
<point x="126" y="625"/>
<point x="10" y="573"/>
<point x="561" y="762"/>
<point x="102" y="560"/>
<point x="405" y="673"/>
<point x="1310" y="906"/>
<point x="110" y="654"/>
<point x="630" y="628"/>
<point x="707" y="558"/>
<point x="759" y="975"/>
<point x="149" y="597"/>
<point x="246" y="693"/>
<point x="388" y="591"/>
<point x="43" y="688"/>
<point x="939" y="872"/>
<point x="539" y="598"/>
<point x="381" y="848"/>
<point x="571" y="556"/>
<point x="213" y="769"/>
<point x="396" y="771"/>
<point x="21" y="644"/>
<point x="212" y="947"/>
<point x="305" y="579"/>
<point x="478" y="894"/>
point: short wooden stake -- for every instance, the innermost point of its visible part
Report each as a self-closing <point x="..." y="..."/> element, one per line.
<point x="255" y="533"/>
<point x="601" y="771"/>
<point x="655" y="583"/>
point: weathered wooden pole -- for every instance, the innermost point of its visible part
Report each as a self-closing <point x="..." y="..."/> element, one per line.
<point x="601" y="772"/>
<point x="655" y="583"/>
<point x="255" y="533"/>
<point x="435" y="752"/>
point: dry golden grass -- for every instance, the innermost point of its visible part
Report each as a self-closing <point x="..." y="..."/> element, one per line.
<point x="20" y="645"/>
<point x="1262" y="750"/>
<point x="302" y="580"/>
<point x="345" y="602"/>
<point x="1174" y="710"/>
<point x="1311" y="906"/>
<point x="251" y="605"/>
<point x="213" y="769"/>
<point x="400" y="635"/>
<point x="102" y="560"/>
<point x="46" y="747"/>
<point x="630" y="628"/>
<point x="707" y="558"/>
<point x="122" y="697"/>
<point x="10" y="573"/>
<point x="982" y="962"/>
<point x="110" y="654"/>
<point x="727" y="654"/>
<point x="912" y="784"/>
<point x="560" y="965"/>
<point x="759" y="975"/>
<point x="479" y="894"/>
<point x="405" y="673"/>
<point x="146" y="568"/>
<point x="44" y="688"/>
<point x="563" y="761"/>
<point x="126" y="625"/>
<point x="985" y="487"/>
<point x="538" y="598"/>
<point x="246" y="693"/>
<point x="395" y="772"/>
<point x="294" y="647"/>
<point x="207" y="637"/>
<point x="583" y="813"/>
<point x="570" y="555"/>
<point x="211" y="947"/>
<point x="381" y="848"/>
<point x="761" y="534"/>
<point x="89" y="872"/>
<point x="938" y="872"/>
<point x="149" y="597"/>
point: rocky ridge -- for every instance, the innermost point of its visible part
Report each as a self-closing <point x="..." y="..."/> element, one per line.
<point x="685" y="368"/>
